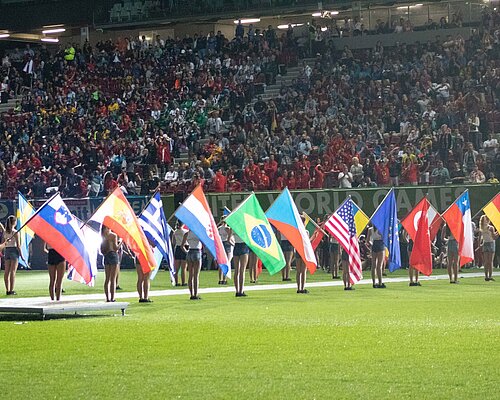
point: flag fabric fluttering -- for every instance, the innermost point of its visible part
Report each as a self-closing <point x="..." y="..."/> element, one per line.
<point x="116" y="213"/>
<point x="196" y="214"/>
<point x="316" y="234"/>
<point x="92" y="243"/>
<point x="410" y="222"/>
<point x="24" y="212"/>
<point x="421" y="256"/>
<point x="154" y="224"/>
<point x="342" y="227"/>
<point x="385" y="220"/>
<point x="492" y="211"/>
<point x="459" y="220"/>
<point x="54" y="224"/>
<point x="361" y="220"/>
<point x="285" y="217"/>
<point x="250" y="223"/>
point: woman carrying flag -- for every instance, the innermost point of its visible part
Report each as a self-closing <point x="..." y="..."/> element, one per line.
<point x="488" y="236"/>
<point x="377" y="244"/>
<point x="56" y="264"/>
<point x="226" y="235"/>
<point x="180" y="263"/>
<point x="192" y="245"/>
<point x="11" y="256"/>
<point x="451" y="254"/>
<point x="345" y="271"/>
<point x="109" y="249"/>
<point x="333" y="256"/>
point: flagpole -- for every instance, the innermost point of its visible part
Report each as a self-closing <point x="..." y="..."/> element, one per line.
<point x="451" y="205"/>
<point x="382" y="202"/>
<point x="304" y="214"/>
<point x="100" y="205"/>
<point x="149" y="202"/>
<point x="476" y="214"/>
<point x="181" y="204"/>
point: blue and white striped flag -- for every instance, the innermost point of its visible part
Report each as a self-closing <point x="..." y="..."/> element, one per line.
<point x="154" y="224"/>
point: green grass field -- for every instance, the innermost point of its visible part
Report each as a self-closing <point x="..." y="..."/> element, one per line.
<point x="435" y="341"/>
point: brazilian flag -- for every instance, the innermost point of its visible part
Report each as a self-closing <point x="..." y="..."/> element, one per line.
<point x="249" y="222"/>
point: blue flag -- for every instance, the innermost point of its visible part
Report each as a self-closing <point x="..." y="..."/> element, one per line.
<point x="385" y="220"/>
<point x="154" y="224"/>
<point x="226" y="212"/>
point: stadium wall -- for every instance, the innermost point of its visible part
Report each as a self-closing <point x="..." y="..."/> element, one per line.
<point x="317" y="203"/>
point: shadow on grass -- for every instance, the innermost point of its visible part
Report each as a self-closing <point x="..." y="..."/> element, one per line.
<point x="22" y="318"/>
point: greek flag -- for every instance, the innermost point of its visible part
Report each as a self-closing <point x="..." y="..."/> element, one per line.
<point x="154" y="224"/>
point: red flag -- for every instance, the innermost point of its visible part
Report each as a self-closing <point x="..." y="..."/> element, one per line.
<point x="259" y="268"/>
<point x="421" y="257"/>
<point x="410" y="222"/>
<point x="316" y="238"/>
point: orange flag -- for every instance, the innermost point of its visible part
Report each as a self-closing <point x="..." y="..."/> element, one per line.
<point x="117" y="214"/>
<point x="421" y="256"/>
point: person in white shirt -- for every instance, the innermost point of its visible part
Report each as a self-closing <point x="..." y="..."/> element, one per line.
<point x="172" y="176"/>
<point x="475" y="135"/>
<point x="345" y="178"/>
<point x="179" y="254"/>
<point x="193" y="258"/>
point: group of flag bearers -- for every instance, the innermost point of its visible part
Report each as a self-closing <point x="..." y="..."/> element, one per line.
<point x="247" y="236"/>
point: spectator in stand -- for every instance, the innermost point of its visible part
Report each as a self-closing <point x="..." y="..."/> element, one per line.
<point x="476" y="175"/>
<point x="440" y="175"/>
<point x="345" y="178"/>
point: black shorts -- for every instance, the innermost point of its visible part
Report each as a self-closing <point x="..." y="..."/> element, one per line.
<point x="240" y="249"/>
<point x="345" y="255"/>
<point x="111" y="258"/>
<point x="11" y="253"/>
<point x="179" y="254"/>
<point x="54" y="257"/>
<point x="286" y="246"/>
<point x="334" y="247"/>
<point x="378" y="246"/>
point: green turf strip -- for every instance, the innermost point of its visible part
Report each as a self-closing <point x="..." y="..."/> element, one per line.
<point x="435" y="341"/>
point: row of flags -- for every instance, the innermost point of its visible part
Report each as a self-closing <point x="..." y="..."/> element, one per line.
<point x="148" y="235"/>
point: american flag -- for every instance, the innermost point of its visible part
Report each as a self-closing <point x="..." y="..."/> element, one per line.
<point x="341" y="226"/>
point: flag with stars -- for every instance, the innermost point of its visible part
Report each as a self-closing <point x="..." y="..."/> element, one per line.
<point x="385" y="220"/>
<point x="342" y="227"/>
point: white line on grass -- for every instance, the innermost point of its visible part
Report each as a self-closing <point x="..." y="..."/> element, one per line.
<point x="227" y="289"/>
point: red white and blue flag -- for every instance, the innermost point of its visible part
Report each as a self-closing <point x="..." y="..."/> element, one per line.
<point x="285" y="217"/>
<point x="196" y="215"/>
<point x="60" y="229"/>
<point x="459" y="220"/>
<point x="341" y="226"/>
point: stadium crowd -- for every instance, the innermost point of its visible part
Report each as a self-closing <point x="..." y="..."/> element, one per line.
<point x="120" y="114"/>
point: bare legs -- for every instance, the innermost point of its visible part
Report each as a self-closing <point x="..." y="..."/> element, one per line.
<point x="110" y="282"/>
<point x="240" y="265"/>
<point x="56" y="275"/>
<point x="252" y="266"/>
<point x="285" y="272"/>
<point x="453" y="267"/>
<point x="301" y="274"/>
<point x="180" y="265"/>
<point x="142" y="285"/>
<point x="488" y="265"/>
<point x="377" y="266"/>
<point x="194" y="268"/>
<point x="10" y="275"/>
